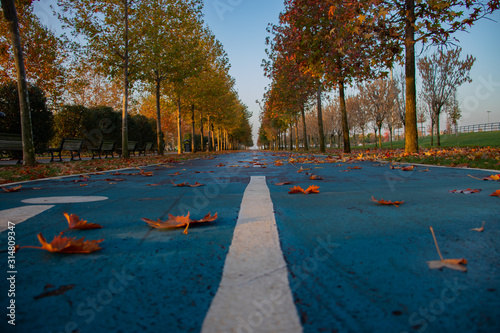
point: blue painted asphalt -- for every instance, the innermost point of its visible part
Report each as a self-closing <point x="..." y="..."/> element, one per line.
<point x="354" y="266"/>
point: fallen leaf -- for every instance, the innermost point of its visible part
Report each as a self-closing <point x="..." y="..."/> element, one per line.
<point x="220" y="165"/>
<point x="315" y="177"/>
<point x="384" y="202"/>
<point x="56" y="292"/>
<point x="278" y="163"/>
<point x="146" y="174"/>
<point x="493" y="177"/>
<point x="311" y="189"/>
<point x="175" y="174"/>
<point x="284" y="183"/>
<point x="495" y="194"/>
<point x="12" y="189"/>
<point x="408" y="168"/>
<point x="354" y="168"/>
<point x="83" y="185"/>
<point x="114" y="180"/>
<point x="67" y="245"/>
<point x="467" y="191"/>
<point x="178" y="222"/>
<point x="478" y="229"/>
<point x="456" y="264"/>
<point x="74" y="222"/>
<point x="426" y="170"/>
<point x="185" y="184"/>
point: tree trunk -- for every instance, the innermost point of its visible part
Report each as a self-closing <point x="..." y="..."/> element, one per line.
<point x="125" y="152"/>
<point x="296" y="133"/>
<point x="380" y="135"/>
<point x="179" y="129"/>
<point x="213" y="138"/>
<point x="304" y="129"/>
<point x="202" y="145"/>
<point x="345" y="124"/>
<point x="411" y="131"/>
<point x="10" y="13"/>
<point x="390" y="135"/>
<point x="321" y="133"/>
<point x="438" y="134"/>
<point x="432" y="133"/>
<point x="291" y="137"/>
<point x="158" y="118"/>
<point x="363" y="137"/>
<point x="193" y="143"/>
<point x="209" y="143"/>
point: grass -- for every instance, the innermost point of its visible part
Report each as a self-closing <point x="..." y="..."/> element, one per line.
<point x="19" y="173"/>
<point x="478" y="139"/>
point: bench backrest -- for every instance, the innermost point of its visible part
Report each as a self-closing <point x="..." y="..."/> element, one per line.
<point x="108" y="145"/>
<point x="11" y="141"/>
<point x="72" y="144"/>
<point x="148" y="146"/>
<point x="132" y="145"/>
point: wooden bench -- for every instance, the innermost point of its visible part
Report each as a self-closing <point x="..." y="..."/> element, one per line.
<point x="145" y="148"/>
<point x="74" y="146"/>
<point x="106" y="146"/>
<point x="132" y="147"/>
<point x="12" y="144"/>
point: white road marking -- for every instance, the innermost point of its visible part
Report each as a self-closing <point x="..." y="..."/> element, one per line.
<point x="254" y="294"/>
<point x="20" y="214"/>
<point x="59" y="200"/>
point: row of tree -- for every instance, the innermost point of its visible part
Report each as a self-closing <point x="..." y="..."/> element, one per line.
<point x="134" y="53"/>
<point x="324" y="44"/>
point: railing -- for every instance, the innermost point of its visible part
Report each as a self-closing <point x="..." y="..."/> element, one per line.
<point x="479" y="128"/>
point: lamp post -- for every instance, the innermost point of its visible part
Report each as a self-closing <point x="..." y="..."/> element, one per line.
<point x="488" y="116"/>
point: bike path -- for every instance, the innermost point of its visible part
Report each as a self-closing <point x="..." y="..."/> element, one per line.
<point x="357" y="266"/>
<point x="353" y="266"/>
<point x="143" y="279"/>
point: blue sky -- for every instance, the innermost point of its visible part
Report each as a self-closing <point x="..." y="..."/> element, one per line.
<point x="240" y="25"/>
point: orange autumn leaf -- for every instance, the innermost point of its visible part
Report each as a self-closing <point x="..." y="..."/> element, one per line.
<point x="74" y="222"/>
<point x="493" y="177"/>
<point x="178" y="221"/>
<point x="146" y="174"/>
<point x="478" y="229"/>
<point x="283" y="183"/>
<point x="311" y="189"/>
<point x="354" y="168"/>
<point x="12" y="189"/>
<point x="62" y="244"/>
<point x="175" y="174"/>
<point x="186" y="184"/>
<point x="456" y="264"/>
<point x="495" y="194"/>
<point x="408" y="168"/>
<point x="278" y="163"/>
<point x="315" y="177"/>
<point x="467" y="191"/>
<point x="388" y="203"/>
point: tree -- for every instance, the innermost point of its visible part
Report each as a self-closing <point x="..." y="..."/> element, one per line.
<point x="39" y="113"/>
<point x="168" y="30"/>
<point x="452" y="108"/>
<point x="331" y="40"/>
<point x="10" y="14"/>
<point x="442" y="74"/>
<point x="429" y="22"/>
<point x="380" y="95"/>
<point x="44" y="54"/>
<point x="85" y="86"/>
<point x="109" y="42"/>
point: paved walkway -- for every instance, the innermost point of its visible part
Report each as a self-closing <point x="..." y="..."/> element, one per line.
<point x="272" y="262"/>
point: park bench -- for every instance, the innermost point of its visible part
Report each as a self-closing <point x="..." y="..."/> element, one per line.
<point x="105" y="147"/>
<point x="148" y="146"/>
<point x="74" y="146"/>
<point x="12" y="144"/>
<point x="132" y="147"/>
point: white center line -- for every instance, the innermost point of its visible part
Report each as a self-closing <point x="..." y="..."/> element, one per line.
<point x="254" y="294"/>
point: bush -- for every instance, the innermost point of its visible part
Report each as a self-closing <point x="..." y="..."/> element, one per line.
<point x="42" y="118"/>
<point x="101" y="123"/>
